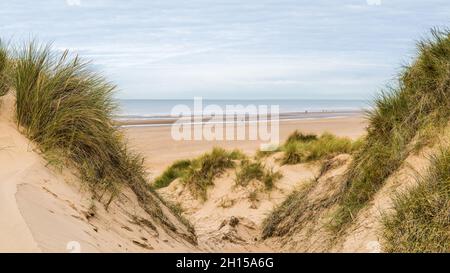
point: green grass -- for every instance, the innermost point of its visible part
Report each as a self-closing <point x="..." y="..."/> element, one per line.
<point x="249" y="171"/>
<point x="175" y="171"/>
<point x="398" y="124"/>
<point x="301" y="148"/>
<point x="420" y="221"/>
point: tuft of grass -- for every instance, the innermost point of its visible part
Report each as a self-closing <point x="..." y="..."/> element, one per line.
<point x="200" y="174"/>
<point x="3" y="66"/>
<point x="260" y="154"/>
<point x="399" y="123"/>
<point x="300" y="148"/>
<point x="249" y="171"/>
<point x="270" y="178"/>
<point x="301" y="137"/>
<point x="253" y="196"/>
<point x="420" y="221"/>
<point x="175" y="171"/>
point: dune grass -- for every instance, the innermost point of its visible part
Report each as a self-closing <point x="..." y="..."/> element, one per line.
<point x="400" y="119"/>
<point x="404" y="119"/>
<point x="420" y="221"/>
<point x="173" y="172"/>
<point x="290" y="210"/>
<point x="3" y="65"/>
<point x="202" y="172"/>
<point x="301" y="148"/>
<point x="298" y="136"/>
<point x="249" y="171"/>
<point x="67" y="109"/>
<point x="260" y="154"/>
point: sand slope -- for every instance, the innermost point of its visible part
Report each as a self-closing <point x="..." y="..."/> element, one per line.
<point x="229" y="220"/>
<point x="43" y="209"/>
<point x="307" y="231"/>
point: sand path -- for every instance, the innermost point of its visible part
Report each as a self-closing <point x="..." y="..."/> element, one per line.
<point x="15" y="159"/>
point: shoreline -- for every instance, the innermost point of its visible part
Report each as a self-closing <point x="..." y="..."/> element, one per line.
<point x="166" y="121"/>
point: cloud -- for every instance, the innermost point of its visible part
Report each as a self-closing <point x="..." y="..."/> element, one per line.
<point x="168" y="49"/>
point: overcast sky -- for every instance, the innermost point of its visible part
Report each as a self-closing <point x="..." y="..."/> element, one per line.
<point x="234" y="48"/>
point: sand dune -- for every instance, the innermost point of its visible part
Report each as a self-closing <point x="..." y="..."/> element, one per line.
<point x="43" y="209"/>
<point x="227" y="203"/>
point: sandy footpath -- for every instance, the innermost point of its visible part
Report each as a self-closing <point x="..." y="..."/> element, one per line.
<point x="160" y="150"/>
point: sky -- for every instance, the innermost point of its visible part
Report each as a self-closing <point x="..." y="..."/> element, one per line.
<point x="284" y="49"/>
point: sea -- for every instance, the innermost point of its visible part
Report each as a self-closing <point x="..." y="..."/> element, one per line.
<point x="160" y="109"/>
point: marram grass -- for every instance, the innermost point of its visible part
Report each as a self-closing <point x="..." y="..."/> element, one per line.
<point x="199" y="173"/>
<point x="300" y="148"/>
<point x="67" y="109"/>
<point x="3" y="65"/>
<point x="403" y="117"/>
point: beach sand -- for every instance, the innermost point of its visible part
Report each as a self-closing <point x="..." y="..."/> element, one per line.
<point x="160" y="150"/>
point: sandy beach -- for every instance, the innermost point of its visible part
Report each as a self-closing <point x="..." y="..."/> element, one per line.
<point x="160" y="150"/>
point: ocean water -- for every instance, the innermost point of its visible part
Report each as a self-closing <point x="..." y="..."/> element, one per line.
<point x="154" y="109"/>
